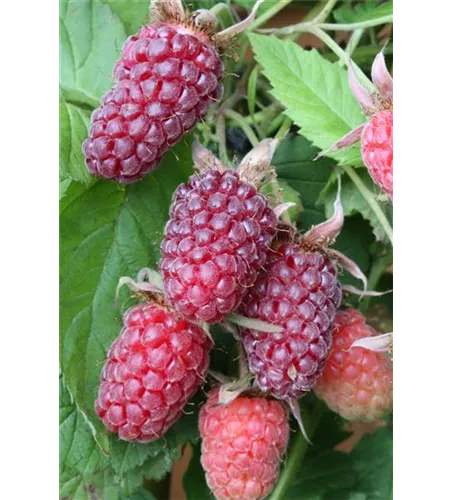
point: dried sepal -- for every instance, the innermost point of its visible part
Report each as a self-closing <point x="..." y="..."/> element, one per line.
<point x="204" y="21"/>
<point x="163" y="11"/>
<point x="204" y="159"/>
<point x="348" y="140"/>
<point x="282" y="208"/>
<point x="377" y="343"/>
<point x="363" y="293"/>
<point x="223" y="38"/>
<point x="365" y="99"/>
<point x="325" y="233"/>
<point x="256" y="166"/>
<point x="382" y="79"/>
<point x="349" y="266"/>
<point x="232" y="390"/>
<point x="296" y="412"/>
<point x="148" y="281"/>
<point x="253" y="324"/>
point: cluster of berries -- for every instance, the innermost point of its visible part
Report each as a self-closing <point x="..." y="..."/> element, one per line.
<point x="223" y="252"/>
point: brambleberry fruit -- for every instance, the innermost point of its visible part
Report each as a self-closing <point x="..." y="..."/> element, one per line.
<point x="376" y="134"/>
<point x="300" y="292"/>
<point x="154" y="367"/>
<point x="376" y="150"/>
<point x="216" y="241"/>
<point x="167" y="77"/>
<point x="357" y="383"/>
<point x="243" y="443"/>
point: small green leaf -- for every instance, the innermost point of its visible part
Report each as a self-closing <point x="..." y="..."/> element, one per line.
<point x="314" y="91"/>
<point x="73" y="130"/>
<point x="363" y="11"/>
<point x="252" y="86"/>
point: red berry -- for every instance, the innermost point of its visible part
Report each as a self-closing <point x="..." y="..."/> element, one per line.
<point x="166" y="79"/>
<point x="153" y="368"/>
<point x="243" y="443"/>
<point x="356" y="382"/>
<point x="300" y="292"/>
<point x="376" y="150"/>
<point x="215" y="243"/>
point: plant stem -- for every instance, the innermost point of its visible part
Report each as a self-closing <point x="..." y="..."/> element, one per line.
<point x="268" y="14"/>
<point x="240" y="120"/>
<point x="297" y="453"/>
<point x="324" y="13"/>
<point x="356" y="26"/>
<point x="284" y="129"/>
<point x="370" y="198"/>
<point x="221" y="135"/>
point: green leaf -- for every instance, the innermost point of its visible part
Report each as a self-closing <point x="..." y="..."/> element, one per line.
<point x="372" y="459"/>
<point x="294" y="163"/>
<point x="64" y="186"/>
<point x="78" y="451"/>
<point x="73" y="130"/>
<point x="91" y="37"/>
<point x="314" y="91"/>
<point x="354" y="202"/>
<point x="132" y="13"/>
<point x="127" y="456"/>
<point x="140" y="494"/>
<point x="363" y="11"/>
<point x="107" y="231"/>
<point x="80" y="457"/>
<point x="194" y="481"/>
<point x="364" y="474"/>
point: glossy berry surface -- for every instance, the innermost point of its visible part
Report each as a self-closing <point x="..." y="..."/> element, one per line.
<point x="300" y="292"/>
<point x="166" y="79"/>
<point x="157" y="363"/>
<point x="376" y="150"/>
<point x="357" y="383"/>
<point x="215" y="242"/>
<point x="243" y="444"/>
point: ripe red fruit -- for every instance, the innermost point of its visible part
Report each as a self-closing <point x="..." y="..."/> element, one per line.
<point x="215" y="243"/>
<point x="357" y="382"/>
<point x="243" y="444"/>
<point x="300" y="292"/>
<point x="154" y="367"/>
<point x="376" y="134"/>
<point x="166" y="79"/>
<point x="376" y="150"/>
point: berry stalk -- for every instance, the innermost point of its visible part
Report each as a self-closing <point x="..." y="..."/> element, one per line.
<point x="295" y="459"/>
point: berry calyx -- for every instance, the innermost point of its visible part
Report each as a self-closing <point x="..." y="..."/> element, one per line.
<point x="153" y="368"/>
